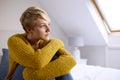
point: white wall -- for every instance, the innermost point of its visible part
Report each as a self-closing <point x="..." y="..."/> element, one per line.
<point x="101" y="56"/>
<point x="10" y="12"/>
<point x="94" y="54"/>
<point x="113" y="57"/>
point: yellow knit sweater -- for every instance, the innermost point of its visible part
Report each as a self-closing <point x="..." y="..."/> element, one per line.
<point x="38" y="64"/>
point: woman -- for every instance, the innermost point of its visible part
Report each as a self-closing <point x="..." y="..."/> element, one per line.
<point x="36" y="51"/>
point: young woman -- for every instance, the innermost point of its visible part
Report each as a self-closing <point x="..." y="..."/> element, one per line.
<point x="36" y="51"/>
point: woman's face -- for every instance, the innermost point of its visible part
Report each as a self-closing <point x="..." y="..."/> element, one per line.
<point x="41" y="30"/>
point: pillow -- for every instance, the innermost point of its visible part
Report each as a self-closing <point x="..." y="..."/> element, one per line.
<point x="4" y="64"/>
<point x="4" y="67"/>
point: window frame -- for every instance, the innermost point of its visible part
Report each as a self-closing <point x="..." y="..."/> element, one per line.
<point x="106" y="24"/>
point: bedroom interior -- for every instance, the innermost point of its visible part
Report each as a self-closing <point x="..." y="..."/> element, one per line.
<point x="99" y="52"/>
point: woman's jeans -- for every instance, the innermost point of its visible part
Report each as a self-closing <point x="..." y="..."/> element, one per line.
<point x="64" y="77"/>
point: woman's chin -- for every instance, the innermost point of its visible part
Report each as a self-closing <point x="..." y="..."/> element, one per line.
<point x="47" y="39"/>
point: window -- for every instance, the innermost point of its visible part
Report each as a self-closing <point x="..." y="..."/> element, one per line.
<point x="109" y="11"/>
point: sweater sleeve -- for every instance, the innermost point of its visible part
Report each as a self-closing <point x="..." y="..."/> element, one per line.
<point x="25" y="55"/>
<point x="60" y="66"/>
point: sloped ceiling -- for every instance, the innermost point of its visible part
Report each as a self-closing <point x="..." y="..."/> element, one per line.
<point x="75" y="19"/>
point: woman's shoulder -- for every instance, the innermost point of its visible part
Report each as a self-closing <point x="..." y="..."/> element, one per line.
<point x="19" y="36"/>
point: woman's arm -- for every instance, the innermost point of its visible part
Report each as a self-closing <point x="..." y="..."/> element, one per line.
<point x="60" y="66"/>
<point x="24" y="54"/>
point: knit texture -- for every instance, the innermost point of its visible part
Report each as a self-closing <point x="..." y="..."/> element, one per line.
<point x="38" y="64"/>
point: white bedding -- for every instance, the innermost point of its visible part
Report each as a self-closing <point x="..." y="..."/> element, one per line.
<point x="89" y="72"/>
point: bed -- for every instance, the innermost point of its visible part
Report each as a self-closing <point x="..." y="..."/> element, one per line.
<point x="79" y="72"/>
<point x="89" y="72"/>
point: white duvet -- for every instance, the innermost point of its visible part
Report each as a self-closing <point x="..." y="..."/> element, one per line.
<point x="89" y="72"/>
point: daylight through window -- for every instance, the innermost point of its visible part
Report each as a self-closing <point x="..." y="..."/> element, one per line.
<point x="110" y="13"/>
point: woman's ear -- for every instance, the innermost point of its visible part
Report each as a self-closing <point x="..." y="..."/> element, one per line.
<point x="28" y="30"/>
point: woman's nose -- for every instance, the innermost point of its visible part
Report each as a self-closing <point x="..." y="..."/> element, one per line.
<point x="48" y="29"/>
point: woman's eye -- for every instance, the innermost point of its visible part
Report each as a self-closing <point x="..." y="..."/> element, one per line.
<point x="43" y="26"/>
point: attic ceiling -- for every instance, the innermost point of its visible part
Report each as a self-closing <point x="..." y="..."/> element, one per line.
<point x="75" y="19"/>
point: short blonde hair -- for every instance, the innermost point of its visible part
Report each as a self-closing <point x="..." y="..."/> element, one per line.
<point x="30" y="15"/>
